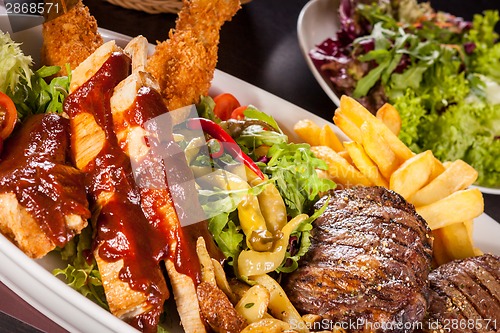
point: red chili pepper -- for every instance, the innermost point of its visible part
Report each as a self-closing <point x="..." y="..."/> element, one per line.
<point x="214" y="130"/>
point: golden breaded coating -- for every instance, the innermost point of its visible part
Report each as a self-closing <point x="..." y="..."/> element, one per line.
<point x="185" y="63"/>
<point x="17" y="224"/>
<point x="70" y="38"/>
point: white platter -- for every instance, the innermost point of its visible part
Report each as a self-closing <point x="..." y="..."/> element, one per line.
<point x="32" y="280"/>
<point x="317" y="21"/>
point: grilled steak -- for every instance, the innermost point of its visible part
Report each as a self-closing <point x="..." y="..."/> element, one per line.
<point x="367" y="267"/>
<point x="465" y="296"/>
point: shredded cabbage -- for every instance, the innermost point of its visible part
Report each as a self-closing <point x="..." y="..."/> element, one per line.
<point x="15" y="67"/>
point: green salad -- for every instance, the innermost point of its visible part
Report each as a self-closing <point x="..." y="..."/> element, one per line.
<point x="440" y="72"/>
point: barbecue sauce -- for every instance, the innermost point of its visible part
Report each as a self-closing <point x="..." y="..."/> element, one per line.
<point x="122" y="230"/>
<point x="35" y="166"/>
<point x="147" y="106"/>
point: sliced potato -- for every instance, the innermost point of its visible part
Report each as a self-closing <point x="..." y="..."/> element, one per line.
<point x="364" y="163"/>
<point x="390" y="117"/>
<point x="340" y="170"/>
<point x="457" y="207"/>
<point x="308" y="131"/>
<point x="327" y="137"/>
<point x="412" y="175"/>
<point x="268" y="325"/>
<point x="280" y="306"/>
<point x="457" y="176"/>
<point x="253" y="305"/>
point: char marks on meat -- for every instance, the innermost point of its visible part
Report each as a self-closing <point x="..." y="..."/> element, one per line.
<point x="465" y="296"/>
<point x="368" y="263"/>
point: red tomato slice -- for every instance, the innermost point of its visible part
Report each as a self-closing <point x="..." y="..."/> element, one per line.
<point x="238" y="112"/>
<point x="225" y="104"/>
<point x="8" y="116"/>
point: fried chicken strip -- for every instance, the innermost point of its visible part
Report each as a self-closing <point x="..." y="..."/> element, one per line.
<point x="127" y="246"/>
<point x="42" y="197"/>
<point x="137" y="109"/>
<point x="184" y="64"/>
<point x="70" y="36"/>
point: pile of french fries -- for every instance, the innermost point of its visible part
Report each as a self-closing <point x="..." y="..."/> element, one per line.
<point x="376" y="157"/>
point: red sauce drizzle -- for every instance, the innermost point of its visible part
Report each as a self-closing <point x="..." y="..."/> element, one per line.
<point x="122" y="229"/>
<point x="147" y="106"/>
<point x="36" y="168"/>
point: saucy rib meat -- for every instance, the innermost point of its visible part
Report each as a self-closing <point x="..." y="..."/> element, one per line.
<point x="368" y="263"/>
<point x="42" y="196"/>
<point x="465" y="296"/>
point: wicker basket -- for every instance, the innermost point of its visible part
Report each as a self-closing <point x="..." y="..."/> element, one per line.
<point x="153" y="6"/>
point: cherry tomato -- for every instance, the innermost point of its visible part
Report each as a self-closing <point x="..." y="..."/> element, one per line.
<point x="225" y="104"/>
<point x="238" y="112"/>
<point x="8" y="116"/>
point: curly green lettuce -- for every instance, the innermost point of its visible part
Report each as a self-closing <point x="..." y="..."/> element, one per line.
<point x="82" y="273"/>
<point x="15" y="67"/>
<point x="31" y="91"/>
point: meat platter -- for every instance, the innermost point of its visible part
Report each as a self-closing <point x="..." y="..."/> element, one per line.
<point x="32" y="279"/>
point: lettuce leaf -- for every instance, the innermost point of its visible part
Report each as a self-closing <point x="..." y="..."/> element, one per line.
<point x="15" y="67"/>
<point x="31" y="92"/>
<point x="293" y="167"/>
<point x="82" y="273"/>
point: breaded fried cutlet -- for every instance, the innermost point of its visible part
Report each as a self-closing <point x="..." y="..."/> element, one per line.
<point x="184" y="64"/>
<point x="70" y="38"/>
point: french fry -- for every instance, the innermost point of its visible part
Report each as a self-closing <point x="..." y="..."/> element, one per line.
<point x="470" y="230"/>
<point x="458" y="176"/>
<point x="390" y="117"/>
<point x="378" y="150"/>
<point x="376" y="156"/>
<point x="327" y="137"/>
<point x="456" y="242"/>
<point x="308" y="131"/>
<point x="397" y="146"/>
<point x="339" y="169"/>
<point x="347" y="126"/>
<point x="253" y="305"/>
<point x="345" y="155"/>
<point x="280" y="306"/>
<point x="412" y="175"/>
<point x="457" y="207"/>
<point x="364" y="164"/>
<point x="355" y="111"/>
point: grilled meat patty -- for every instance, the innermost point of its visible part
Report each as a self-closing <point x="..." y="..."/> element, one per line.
<point x="465" y="296"/>
<point x="368" y="263"/>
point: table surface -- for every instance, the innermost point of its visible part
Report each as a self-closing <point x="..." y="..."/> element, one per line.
<point x="259" y="46"/>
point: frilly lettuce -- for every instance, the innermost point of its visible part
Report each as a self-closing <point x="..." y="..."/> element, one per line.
<point x="82" y="273"/>
<point x="31" y="92"/>
<point x="15" y="67"/>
